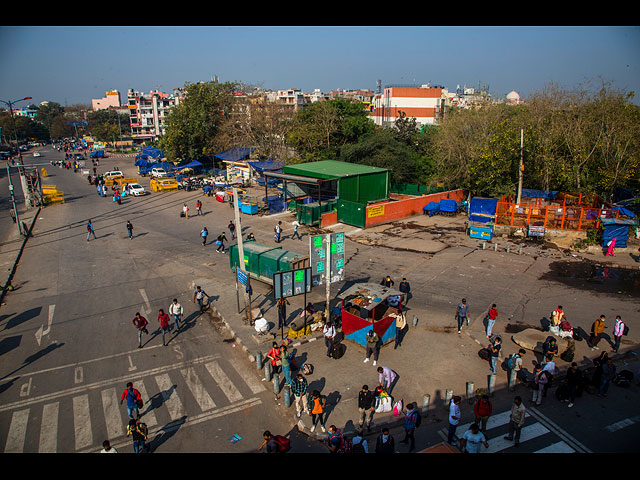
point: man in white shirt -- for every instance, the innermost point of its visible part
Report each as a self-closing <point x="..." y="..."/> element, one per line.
<point x="329" y="332"/>
<point x="176" y="310"/>
<point x="454" y="419"/>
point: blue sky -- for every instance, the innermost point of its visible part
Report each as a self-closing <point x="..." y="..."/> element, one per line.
<point x="74" y="64"/>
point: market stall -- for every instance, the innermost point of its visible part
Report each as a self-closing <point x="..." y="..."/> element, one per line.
<point x="369" y="306"/>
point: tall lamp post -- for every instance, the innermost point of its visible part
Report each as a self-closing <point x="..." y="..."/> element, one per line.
<point x="15" y="135"/>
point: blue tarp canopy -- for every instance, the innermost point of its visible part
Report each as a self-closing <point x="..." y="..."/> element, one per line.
<point x="482" y="209"/>
<point x="235" y="154"/>
<point x="97" y="154"/>
<point x="431" y="208"/>
<point x="625" y="212"/>
<point x="192" y="164"/>
<point x="529" y="193"/>
<point x="267" y="165"/>
<point x="618" y="229"/>
<point x="152" y="152"/>
<point x="448" y="205"/>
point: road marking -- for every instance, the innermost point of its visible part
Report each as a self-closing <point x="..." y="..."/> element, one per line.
<point x="526" y="433"/>
<point x="170" y="396"/>
<point x="41" y="332"/>
<point x="149" y="415"/>
<point x="112" y="416"/>
<point x="78" y="375"/>
<point x="254" y="384"/>
<point x="25" y="389"/>
<point x="559" y="447"/>
<point x="17" y="432"/>
<point x="230" y="391"/>
<point x="104" y="383"/>
<point x="132" y="367"/>
<point x="147" y="311"/>
<point x="575" y="444"/>
<point x="622" y="424"/>
<point x="49" y="428"/>
<point x="197" y="389"/>
<point x="82" y="422"/>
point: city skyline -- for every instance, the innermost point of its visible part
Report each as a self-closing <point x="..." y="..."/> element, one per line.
<point x="75" y="64"/>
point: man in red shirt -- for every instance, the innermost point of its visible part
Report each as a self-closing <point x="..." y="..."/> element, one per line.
<point x="492" y="315"/>
<point x="482" y="410"/>
<point x="164" y="320"/>
<point x="141" y="324"/>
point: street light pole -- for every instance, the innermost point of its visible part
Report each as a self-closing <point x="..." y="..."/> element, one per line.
<point x="15" y="135"/>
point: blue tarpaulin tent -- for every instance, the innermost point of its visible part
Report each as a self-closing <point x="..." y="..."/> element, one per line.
<point x="267" y="166"/>
<point x="617" y="228"/>
<point x="431" y="208"/>
<point x="482" y="209"/>
<point x="235" y="154"/>
<point x="192" y="164"/>
<point x="529" y="193"/>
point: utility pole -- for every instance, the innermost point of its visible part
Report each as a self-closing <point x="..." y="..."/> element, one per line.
<point x="521" y="172"/>
<point x="240" y="264"/>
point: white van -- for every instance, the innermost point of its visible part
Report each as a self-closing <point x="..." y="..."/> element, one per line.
<point x="113" y="175"/>
<point x="158" y="173"/>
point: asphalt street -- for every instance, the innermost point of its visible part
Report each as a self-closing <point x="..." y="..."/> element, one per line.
<point x="68" y="342"/>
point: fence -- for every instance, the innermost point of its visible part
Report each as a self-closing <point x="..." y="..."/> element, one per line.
<point x="577" y="212"/>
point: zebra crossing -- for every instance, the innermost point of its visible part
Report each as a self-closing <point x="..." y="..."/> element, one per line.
<point x="538" y="435"/>
<point x="79" y="419"/>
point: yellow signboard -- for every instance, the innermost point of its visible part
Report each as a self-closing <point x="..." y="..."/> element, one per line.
<point x="375" y="211"/>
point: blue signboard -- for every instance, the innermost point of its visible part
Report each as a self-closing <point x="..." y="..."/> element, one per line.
<point x="242" y="277"/>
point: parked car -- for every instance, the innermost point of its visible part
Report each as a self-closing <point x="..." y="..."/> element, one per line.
<point x="36" y="154"/>
<point x="158" y="173"/>
<point x="113" y="174"/>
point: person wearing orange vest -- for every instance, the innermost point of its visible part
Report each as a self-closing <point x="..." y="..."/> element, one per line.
<point x="317" y="403"/>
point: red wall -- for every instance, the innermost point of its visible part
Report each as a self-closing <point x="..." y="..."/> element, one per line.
<point x="407" y="206"/>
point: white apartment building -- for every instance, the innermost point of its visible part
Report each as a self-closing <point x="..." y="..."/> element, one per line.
<point x="110" y="100"/>
<point x="148" y="112"/>
<point x="426" y="104"/>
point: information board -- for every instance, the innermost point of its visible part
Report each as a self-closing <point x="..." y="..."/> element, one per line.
<point x="319" y="260"/>
<point x="292" y="282"/>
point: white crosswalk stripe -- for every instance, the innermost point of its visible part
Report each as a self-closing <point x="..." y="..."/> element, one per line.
<point x="531" y="431"/>
<point x="110" y="418"/>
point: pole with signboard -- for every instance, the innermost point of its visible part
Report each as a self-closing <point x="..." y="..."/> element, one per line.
<point x="241" y="273"/>
<point x="326" y="253"/>
<point x="290" y="283"/>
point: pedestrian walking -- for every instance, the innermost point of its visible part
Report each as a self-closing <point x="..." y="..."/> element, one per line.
<point x="198" y="296"/>
<point x="514" y="365"/>
<point x="387" y="378"/>
<point x="141" y="324"/>
<point x="220" y="242"/>
<point x="608" y="374"/>
<point x="134" y="401"/>
<point x="597" y="329"/>
<point x="410" y="423"/>
<point x="492" y="315"/>
<point x="176" y="311"/>
<point x="185" y="211"/>
<point x="198" y="207"/>
<point x="299" y="389"/>
<point x="366" y="407"/>
<point x="405" y="288"/>
<point x="275" y="443"/>
<point x="401" y="329"/>
<point x="612" y="245"/>
<point x="316" y="406"/>
<point x="278" y="231"/>
<point x="494" y="353"/>
<point x="130" y="230"/>
<point x="618" y="331"/>
<point x="372" y="347"/>
<point x="204" y="233"/>
<point x="329" y="332"/>
<point x="295" y="233"/>
<point x="473" y="439"/>
<point x="336" y="443"/>
<point x="540" y="381"/>
<point x="482" y="410"/>
<point x="462" y="313"/>
<point x="163" y="320"/>
<point x="90" y="230"/>
<point x="232" y="229"/>
<point x="385" y="443"/>
<point x="107" y="448"/>
<point x="281" y="305"/>
<point x="573" y="382"/>
<point x="138" y="433"/>
<point x="516" y="420"/>
<point x="274" y="356"/>
<point x="454" y="419"/>
<point x="359" y="443"/>
<point x="286" y="364"/>
<point x="387" y="282"/>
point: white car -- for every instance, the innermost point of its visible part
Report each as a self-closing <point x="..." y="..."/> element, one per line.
<point x="36" y="154"/>
<point x="136" y="190"/>
<point x="113" y="174"/>
<point x="158" y="173"/>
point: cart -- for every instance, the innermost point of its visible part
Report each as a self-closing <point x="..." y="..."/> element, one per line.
<point x="369" y="306"/>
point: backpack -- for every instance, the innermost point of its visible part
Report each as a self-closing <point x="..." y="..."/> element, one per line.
<point x="625" y="330"/>
<point x="88" y="227"/>
<point x="357" y="447"/>
<point x="142" y="429"/>
<point x="284" y="444"/>
<point x="418" y="419"/>
<point x="511" y="363"/>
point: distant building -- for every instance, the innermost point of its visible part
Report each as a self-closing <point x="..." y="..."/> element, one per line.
<point x="424" y="103"/>
<point x="26" y="112"/>
<point x="513" y="98"/>
<point x="111" y="99"/>
<point x="148" y="112"/>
